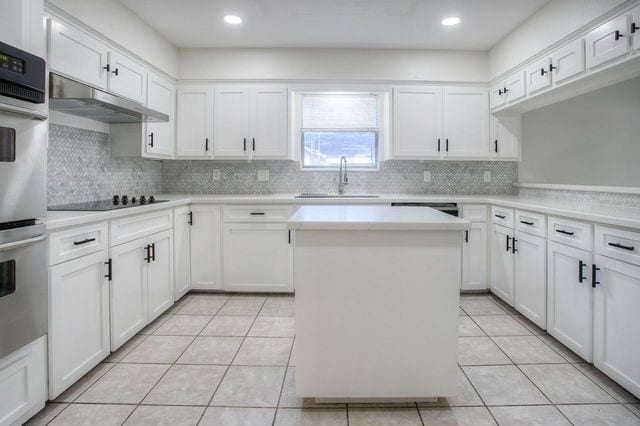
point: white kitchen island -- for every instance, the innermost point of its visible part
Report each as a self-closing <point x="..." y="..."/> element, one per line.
<point x="377" y="291"/>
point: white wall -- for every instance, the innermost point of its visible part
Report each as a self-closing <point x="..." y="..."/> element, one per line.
<point x="340" y="64"/>
<point x="113" y="20"/>
<point x="591" y="139"/>
<point x="557" y="19"/>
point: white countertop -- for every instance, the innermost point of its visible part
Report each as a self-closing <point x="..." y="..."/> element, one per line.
<point x="610" y="215"/>
<point x="379" y="218"/>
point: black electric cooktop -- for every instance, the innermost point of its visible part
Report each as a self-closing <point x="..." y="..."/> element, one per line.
<point x="116" y="202"/>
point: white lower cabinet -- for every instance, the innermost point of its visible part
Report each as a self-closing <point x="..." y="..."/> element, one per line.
<point x="182" y="251"/>
<point x="79" y="319"/>
<point x="531" y="277"/>
<point x="23" y="383"/>
<point x="474" y="258"/>
<point x="160" y="291"/>
<point x="570" y="298"/>
<point x="258" y="257"/>
<point x="502" y="264"/>
<point x="206" y="247"/>
<point x="616" y="340"/>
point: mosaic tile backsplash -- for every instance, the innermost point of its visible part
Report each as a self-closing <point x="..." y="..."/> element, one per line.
<point x="80" y="168"/>
<point x="586" y="198"/>
<point x="285" y="177"/>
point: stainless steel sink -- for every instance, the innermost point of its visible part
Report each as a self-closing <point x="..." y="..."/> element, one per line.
<point x="336" y="196"/>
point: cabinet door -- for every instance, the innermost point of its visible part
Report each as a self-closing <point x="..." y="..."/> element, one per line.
<point x="258" y="257"/>
<point x="268" y="118"/>
<point x="531" y="278"/>
<point x="568" y="61"/>
<point x="160" y="274"/>
<point x="21" y="27"/>
<point x="616" y="345"/>
<point x="206" y="256"/>
<point x="516" y="86"/>
<point x="635" y="28"/>
<point x="195" y="121"/>
<point x="79" y="319"/>
<point x="231" y="123"/>
<point x="466" y="122"/>
<point x="505" y="137"/>
<point x="497" y="95"/>
<point x="474" y="258"/>
<point x="127" y="78"/>
<point x="417" y="121"/>
<point x="502" y="264"/>
<point x="569" y="303"/>
<point x="159" y="137"/>
<point x="182" y="252"/>
<point x="128" y="291"/>
<point x="76" y="54"/>
<point x="607" y="42"/>
<point x="538" y="76"/>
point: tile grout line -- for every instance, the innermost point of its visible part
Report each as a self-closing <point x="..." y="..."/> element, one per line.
<point x="286" y="373"/>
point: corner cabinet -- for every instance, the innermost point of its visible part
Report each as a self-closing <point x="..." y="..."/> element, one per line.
<point x="195" y="121"/>
<point x="475" y="247"/>
<point x="206" y="247"/>
<point x="505" y="136"/>
<point x="502" y="264"/>
<point x="159" y="138"/>
<point x="182" y="250"/>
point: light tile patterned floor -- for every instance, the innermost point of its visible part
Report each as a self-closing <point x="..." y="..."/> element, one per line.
<point x="228" y="360"/>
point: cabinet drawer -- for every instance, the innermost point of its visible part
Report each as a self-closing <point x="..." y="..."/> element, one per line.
<point x="76" y="242"/>
<point x="258" y="213"/>
<point x="502" y="216"/>
<point x="618" y="244"/>
<point x="531" y="223"/>
<point x="474" y="212"/>
<point x="134" y="227"/>
<point x="570" y="232"/>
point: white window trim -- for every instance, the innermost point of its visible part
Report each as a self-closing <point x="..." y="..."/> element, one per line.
<point x="384" y="119"/>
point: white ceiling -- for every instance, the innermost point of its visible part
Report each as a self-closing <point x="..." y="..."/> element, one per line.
<point x="408" y="24"/>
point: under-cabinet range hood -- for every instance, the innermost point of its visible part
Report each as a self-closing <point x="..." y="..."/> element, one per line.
<point x="72" y="97"/>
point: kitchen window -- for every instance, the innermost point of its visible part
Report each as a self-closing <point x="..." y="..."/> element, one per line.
<point x="336" y="125"/>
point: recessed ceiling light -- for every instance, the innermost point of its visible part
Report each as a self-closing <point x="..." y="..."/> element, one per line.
<point x="451" y="20"/>
<point x="233" y="19"/>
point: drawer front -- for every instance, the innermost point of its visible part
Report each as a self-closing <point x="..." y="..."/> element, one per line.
<point x="502" y="216"/>
<point x="134" y="227"/>
<point x="570" y="232"/>
<point x="531" y="223"/>
<point x="76" y="242"/>
<point x="474" y="212"/>
<point x="618" y="244"/>
<point x="257" y="213"/>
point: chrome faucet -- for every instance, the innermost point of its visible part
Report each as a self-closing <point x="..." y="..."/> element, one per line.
<point x="343" y="179"/>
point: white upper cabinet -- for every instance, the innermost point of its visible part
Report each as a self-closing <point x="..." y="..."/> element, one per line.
<point x="608" y="42"/>
<point x="497" y="96"/>
<point x="127" y="78"/>
<point x="21" y="25"/>
<point x="466" y="122"/>
<point x="567" y="61"/>
<point x="417" y="121"/>
<point x="515" y="86"/>
<point x="505" y="137"/>
<point x="634" y="27"/>
<point x="268" y="118"/>
<point x="77" y="55"/>
<point x="231" y="122"/>
<point x="159" y="138"/>
<point x="195" y="121"/>
<point x="538" y="76"/>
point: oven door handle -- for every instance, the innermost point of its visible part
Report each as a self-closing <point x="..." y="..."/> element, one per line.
<point x="17" y="244"/>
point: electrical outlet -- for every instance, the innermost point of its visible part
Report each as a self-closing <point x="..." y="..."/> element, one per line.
<point x="427" y="176"/>
<point x="215" y="174"/>
<point x="487" y="176"/>
<point x="263" y="175"/>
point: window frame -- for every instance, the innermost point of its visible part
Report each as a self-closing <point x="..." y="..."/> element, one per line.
<point x="380" y="131"/>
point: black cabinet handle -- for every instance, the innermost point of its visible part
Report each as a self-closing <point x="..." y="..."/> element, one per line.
<point x="79" y="243"/>
<point x="594" y="270"/>
<point x="466" y="236"/>
<point x="526" y="223"/>
<point x="253" y="142"/>
<point x="257" y="213"/>
<point x="191" y="218"/>
<point x="499" y="91"/>
<point x="153" y="251"/>
<point x="147" y="248"/>
<point x="496" y="145"/>
<point x="107" y="67"/>
<point x="581" y="266"/>
<point x="505" y="90"/>
<point x="562" y="231"/>
<point x="508" y="247"/>
<point x="620" y="246"/>
<point x="115" y="71"/>
<point x="634" y="27"/>
<point x="206" y="144"/>
<point x="618" y="35"/>
<point x="109" y="264"/>
<point x="244" y="144"/>
<point x="438" y="144"/>
<point x="542" y="71"/>
<point x="151" y="137"/>
<point x="289" y="236"/>
<point x="551" y="67"/>
<point x="513" y="243"/>
<point x="446" y="144"/>
<point x="501" y="216"/>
